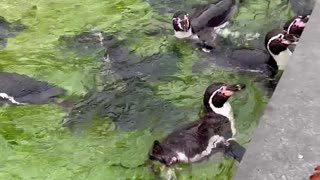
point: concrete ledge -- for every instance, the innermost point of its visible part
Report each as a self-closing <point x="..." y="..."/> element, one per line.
<point x="286" y="145"/>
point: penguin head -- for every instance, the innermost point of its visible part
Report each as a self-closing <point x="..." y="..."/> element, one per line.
<point x="296" y="25"/>
<point x="181" y="21"/>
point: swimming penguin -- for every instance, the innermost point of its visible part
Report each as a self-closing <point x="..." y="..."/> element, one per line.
<point x="277" y="43"/>
<point x="204" y="23"/>
<point x="199" y="139"/>
<point x="243" y="60"/>
<point x="296" y="25"/>
<point x="20" y="89"/>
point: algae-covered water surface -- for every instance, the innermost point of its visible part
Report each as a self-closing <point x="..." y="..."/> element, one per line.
<point x="128" y="81"/>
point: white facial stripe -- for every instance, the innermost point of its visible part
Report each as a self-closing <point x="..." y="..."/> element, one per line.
<point x="178" y="20"/>
<point x="283" y="57"/>
<point x="273" y="38"/>
<point x="179" y="24"/>
<point x="225" y="110"/>
<point x="291" y="25"/>
<point x="211" y="97"/>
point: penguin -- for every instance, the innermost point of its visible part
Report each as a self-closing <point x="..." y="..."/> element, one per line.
<point x="204" y="24"/>
<point x="20" y="89"/>
<point x="243" y="60"/>
<point x="197" y="140"/>
<point x="277" y="43"/>
<point x="296" y="25"/>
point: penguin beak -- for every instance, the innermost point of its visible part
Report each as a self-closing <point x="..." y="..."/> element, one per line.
<point x="299" y="23"/>
<point x="289" y="39"/>
<point x="236" y="87"/>
<point x="231" y="89"/>
<point x="185" y="23"/>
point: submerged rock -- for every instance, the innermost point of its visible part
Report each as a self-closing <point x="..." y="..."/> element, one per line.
<point x="132" y="106"/>
<point x="8" y="30"/>
<point x="130" y="101"/>
<point x="87" y="43"/>
<point x="123" y="63"/>
<point x="20" y="89"/>
<point x="127" y="65"/>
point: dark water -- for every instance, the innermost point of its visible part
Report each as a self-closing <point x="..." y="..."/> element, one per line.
<point x="302" y="7"/>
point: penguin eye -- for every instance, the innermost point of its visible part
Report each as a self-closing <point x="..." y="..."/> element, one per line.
<point x="176" y="20"/>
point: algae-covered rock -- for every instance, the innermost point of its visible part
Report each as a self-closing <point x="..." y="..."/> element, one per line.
<point x="139" y="57"/>
<point x="133" y="106"/>
<point x="87" y="43"/>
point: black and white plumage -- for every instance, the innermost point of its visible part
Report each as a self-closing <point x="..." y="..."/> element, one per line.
<point x="277" y="43"/>
<point x="197" y="140"/>
<point x="205" y="22"/>
<point x="296" y="25"/>
<point x="244" y="60"/>
<point x="20" y="89"/>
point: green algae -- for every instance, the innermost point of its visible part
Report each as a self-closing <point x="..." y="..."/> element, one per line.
<point x="37" y="147"/>
<point x="35" y="48"/>
<point x="33" y="145"/>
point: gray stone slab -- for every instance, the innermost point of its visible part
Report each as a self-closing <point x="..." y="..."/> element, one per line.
<point x="286" y="144"/>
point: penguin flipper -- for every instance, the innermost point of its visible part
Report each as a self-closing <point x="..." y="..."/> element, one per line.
<point x="235" y="151"/>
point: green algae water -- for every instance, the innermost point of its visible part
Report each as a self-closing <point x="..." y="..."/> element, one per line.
<point x="122" y="104"/>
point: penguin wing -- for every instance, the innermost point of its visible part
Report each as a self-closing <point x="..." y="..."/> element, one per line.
<point x="235" y="151"/>
<point x="212" y="15"/>
<point x="185" y="139"/>
<point x="217" y="124"/>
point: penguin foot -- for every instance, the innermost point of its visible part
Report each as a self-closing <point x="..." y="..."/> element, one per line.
<point x="206" y="48"/>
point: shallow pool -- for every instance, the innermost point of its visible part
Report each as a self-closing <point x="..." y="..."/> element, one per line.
<point x="116" y="106"/>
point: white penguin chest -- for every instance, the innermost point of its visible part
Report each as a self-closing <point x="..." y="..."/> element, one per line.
<point x="183" y="34"/>
<point x="225" y="110"/>
<point x="282" y="58"/>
